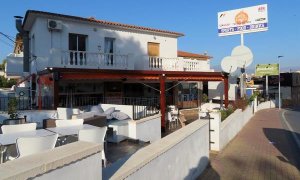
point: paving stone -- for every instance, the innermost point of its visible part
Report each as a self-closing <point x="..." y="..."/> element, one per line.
<point x="263" y="149"/>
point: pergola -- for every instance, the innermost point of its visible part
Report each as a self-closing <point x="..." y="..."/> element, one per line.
<point x="140" y="75"/>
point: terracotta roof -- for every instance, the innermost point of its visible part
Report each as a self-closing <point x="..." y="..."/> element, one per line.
<point x="109" y="23"/>
<point x="193" y="55"/>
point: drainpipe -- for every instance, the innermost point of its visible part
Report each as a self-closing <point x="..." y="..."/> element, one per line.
<point x="25" y="36"/>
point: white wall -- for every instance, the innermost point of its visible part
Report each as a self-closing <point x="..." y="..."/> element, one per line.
<point x="36" y="116"/>
<point x="216" y="89"/>
<point x="126" y="41"/>
<point x="233" y="124"/>
<point x="266" y="105"/>
<point x="79" y="160"/>
<point x="146" y="129"/>
<point x="223" y="132"/>
<point x="183" y="154"/>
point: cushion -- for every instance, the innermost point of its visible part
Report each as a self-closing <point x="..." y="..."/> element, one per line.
<point x="85" y="115"/>
<point x="109" y="111"/>
<point x="120" y="115"/>
<point x="97" y="109"/>
<point x="100" y="108"/>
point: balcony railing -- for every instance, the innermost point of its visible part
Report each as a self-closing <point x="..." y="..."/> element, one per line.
<point x="99" y="60"/>
<point x="176" y="64"/>
<point x="83" y="59"/>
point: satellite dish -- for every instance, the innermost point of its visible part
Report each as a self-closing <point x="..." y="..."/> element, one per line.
<point x="243" y="56"/>
<point x="229" y="64"/>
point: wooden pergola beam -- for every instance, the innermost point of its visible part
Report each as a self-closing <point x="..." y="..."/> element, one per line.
<point x="161" y="76"/>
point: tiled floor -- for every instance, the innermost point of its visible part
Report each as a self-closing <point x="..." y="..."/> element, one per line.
<point x="116" y="151"/>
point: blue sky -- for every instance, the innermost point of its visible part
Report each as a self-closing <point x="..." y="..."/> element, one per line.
<point x="197" y="19"/>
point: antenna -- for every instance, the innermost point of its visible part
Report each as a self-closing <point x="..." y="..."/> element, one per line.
<point x="243" y="56"/>
<point x="229" y="64"/>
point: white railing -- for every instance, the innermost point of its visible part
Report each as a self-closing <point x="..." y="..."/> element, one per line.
<point x="83" y="59"/>
<point x="99" y="60"/>
<point x="176" y="64"/>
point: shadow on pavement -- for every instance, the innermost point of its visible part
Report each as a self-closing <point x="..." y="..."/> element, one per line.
<point x="284" y="142"/>
<point x="209" y="173"/>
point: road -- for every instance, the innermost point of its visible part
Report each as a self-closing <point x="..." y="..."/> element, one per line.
<point x="291" y="120"/>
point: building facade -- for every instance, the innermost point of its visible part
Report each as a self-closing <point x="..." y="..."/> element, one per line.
<point x="79" y="61"/>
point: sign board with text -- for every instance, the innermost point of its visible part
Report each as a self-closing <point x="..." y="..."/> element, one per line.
<point x="267" y="69"/>
<point x="244" y="20"/>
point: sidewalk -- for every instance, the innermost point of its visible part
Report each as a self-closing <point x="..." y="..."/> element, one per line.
<point x="263" y="149"/>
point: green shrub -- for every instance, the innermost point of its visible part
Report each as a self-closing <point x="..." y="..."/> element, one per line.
<point x="204" y="98"/>
<point x="226" y="112"/>
<point x="12" y="108"/>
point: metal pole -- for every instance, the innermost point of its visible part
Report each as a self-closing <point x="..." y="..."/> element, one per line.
<point x="242" y="76"/>
<point x="279" y="96"/>
<point x="267" y="86"/>
<point x="242" y="39"/>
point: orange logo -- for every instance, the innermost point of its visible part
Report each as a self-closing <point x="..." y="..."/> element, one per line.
<point x="241" y="18"/>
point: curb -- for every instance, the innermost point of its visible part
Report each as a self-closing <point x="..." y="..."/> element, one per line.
<point x="291" y="129"/>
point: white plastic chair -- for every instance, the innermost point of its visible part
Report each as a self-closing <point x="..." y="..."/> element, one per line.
<point x="95" y="135"/>
<point x="171" y="120"/>
<point x="7" y="129"/>
<point x="64" y="113"/>
<point x="31" y="145"/>
<point x="67" y="123"/>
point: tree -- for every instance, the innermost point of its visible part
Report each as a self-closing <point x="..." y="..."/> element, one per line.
<point x="2" y="66"/>
<point x="4" y="82"/>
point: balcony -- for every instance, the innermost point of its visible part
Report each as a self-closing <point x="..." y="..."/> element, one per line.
<point x="176" y="64"/>
<point x="88" y="60"/>
<point x="99" y="60"/>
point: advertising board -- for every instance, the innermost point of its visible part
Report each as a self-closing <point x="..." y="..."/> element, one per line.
<point x="266" y="69"/>
<point x="244" y="20"/>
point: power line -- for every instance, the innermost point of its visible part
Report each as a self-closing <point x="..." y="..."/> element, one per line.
<point x="6" y="43"/>
<point x="8" y="37"/>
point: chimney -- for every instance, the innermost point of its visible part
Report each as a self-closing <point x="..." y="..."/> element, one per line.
<point x="25" y="36"/>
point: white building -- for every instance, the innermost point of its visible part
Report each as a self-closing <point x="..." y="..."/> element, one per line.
<point x="68" y="57"/>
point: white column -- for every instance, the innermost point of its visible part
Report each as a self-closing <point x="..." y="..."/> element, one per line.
<point x="215" y="124"/>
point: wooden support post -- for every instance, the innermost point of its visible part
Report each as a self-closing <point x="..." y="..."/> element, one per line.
<point x="226" y="90"/>
<point x="162" y="80"/>
<point x="55" y="94"/>
<point x="40" y="94"/>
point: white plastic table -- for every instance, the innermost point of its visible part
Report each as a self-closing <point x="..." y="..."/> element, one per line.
<point x="8" y="139"/>
<point x="70" y="130"/>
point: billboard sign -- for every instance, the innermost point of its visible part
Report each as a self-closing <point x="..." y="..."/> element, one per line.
<point x="267" y="69"/>
<point x="244" y="20"/>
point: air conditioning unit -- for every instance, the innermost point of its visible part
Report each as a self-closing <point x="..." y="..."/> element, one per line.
<point x="54" y="25"/>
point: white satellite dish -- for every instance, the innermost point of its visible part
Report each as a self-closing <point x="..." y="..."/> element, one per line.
<point x="243" y="56"/>
<point x="229" y="64"/>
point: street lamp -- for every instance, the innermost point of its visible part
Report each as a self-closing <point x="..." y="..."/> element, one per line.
<point x="279" y="96"/>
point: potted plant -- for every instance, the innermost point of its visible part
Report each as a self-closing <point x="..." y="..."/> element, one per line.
<point x="12" y="108"/>
<point x="12" y="111"/>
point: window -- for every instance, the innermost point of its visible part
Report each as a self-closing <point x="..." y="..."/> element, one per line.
<point x="153" y="49"/>
<point x="77" y="47"/>
<point x="109" y="50"/>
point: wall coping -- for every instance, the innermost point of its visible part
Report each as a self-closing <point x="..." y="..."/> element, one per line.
<point x="40" y="163"/>
<point x="154" y="150"/>
<point x="145" y="119"/>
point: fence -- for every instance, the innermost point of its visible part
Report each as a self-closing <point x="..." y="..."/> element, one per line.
<point x="142" y="107"/>
<point x="23" y="103"/>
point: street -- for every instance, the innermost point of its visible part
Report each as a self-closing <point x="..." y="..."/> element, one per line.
<point x="291" y="122"/>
